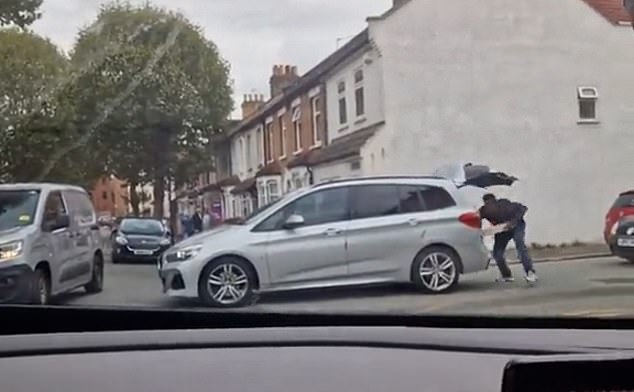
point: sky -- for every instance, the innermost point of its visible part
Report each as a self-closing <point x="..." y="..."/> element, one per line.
<point x="252" y="35"/>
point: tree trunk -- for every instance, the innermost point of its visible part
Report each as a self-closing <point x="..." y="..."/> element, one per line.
<point x="162" y="157"/>
<point x="159" y="197"/>
<point x="134" y="198"/>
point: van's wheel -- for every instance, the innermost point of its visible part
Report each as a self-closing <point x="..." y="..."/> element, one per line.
<point x="96" y="283"/>
<point x="41" y="287"/>
<point x="436" y="270"/>
<point x="227" y="283"/>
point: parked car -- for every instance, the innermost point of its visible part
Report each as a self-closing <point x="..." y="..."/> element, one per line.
<point x="140" y="239"/>
<point x="49" y="242"/>
<point x="623" y="206"/>
<point x="622" y="241"/>
<point x="348" y="232"/>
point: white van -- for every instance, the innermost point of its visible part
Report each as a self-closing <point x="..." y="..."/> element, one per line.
<point x="49" y="242"/>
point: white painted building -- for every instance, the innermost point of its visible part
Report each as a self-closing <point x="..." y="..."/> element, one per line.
<point x="355" y="107"/>
<point x="247" y="152"/>
<point x="541" y="89"/>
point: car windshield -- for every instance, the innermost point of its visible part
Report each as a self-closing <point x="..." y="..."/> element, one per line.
<point x="142" y="226"/>
<point x="396" y="149"/>
<point x="17" y="208"/>
<point x="266" y="209"/>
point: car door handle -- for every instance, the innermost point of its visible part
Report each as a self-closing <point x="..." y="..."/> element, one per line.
<point x="413" y="222"/>
<point x="332" y="232"/>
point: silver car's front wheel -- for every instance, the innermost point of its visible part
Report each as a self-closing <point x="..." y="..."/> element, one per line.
<point x="436" y="270"/>
<point x="227" y="282"/>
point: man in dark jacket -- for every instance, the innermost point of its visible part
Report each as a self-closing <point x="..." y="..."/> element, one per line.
<point x="197" y="221"/>
<point x="510" y="214"/>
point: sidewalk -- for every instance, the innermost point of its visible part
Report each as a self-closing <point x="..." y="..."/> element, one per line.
<point x="570" y="252"/>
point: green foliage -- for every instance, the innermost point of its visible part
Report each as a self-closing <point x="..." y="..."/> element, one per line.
<point x="152" y="90"/>
<point x="19" y="12"/>
<point x="36" y="114"/>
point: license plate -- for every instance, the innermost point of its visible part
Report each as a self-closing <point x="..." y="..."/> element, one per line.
<point x="143" y="252"/>
<point x="625" y="242"/>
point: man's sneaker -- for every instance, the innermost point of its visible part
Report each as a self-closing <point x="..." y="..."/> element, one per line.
<point x="508" y="279"/>
<point x="531" y="277"/>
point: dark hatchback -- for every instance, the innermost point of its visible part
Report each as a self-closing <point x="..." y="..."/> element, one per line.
<point x="622" y="242"/>
<point x="140" y="239"/>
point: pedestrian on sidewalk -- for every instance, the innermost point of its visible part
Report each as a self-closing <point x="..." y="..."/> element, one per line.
<point x="511" y="215"/>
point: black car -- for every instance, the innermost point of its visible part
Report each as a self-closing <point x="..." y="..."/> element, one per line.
<point x="140" y="239"/>
<point x="622" y="242"/>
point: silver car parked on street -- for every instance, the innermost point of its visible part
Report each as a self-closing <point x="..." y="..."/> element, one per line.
<point x="340" y="233"/>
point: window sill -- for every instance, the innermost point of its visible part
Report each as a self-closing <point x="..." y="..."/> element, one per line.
<point x="298" y="152"/>
<point x="282" y="157"/>
<point x="345" y="128"/>
<point x="360" y="120"/>
<point x="588" y="121"/>
<point x="315" y="146"/>
<point x="270" y="161"/>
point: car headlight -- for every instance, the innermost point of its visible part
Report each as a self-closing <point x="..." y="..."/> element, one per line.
<point x="11" y="250"/>
<point x="183" y="254"/>
<point x="165" y="242"/>
<point x="121" y="240"/>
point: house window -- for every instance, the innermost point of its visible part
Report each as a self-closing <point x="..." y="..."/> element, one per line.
<point x="316" y="116"/>
<point x="272" y="190"/>
<point x="297" y="127"/>
<point x="104" y="195"/>
<point x="587" y="97"/>
<point x="269" y="144"/>
<point x="259" y="139"/>
<point x="241" y="153"/>
<point x="359" y="95"/>
<point x="343" y="109"/>
<point x="246" y="205"/>
<point x="249" y="155"/>
<point x="282" y="126"/>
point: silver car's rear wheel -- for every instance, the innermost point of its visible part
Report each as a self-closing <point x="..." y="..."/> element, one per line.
<point x="227" y="282"/>
<point x="436" y="270"/>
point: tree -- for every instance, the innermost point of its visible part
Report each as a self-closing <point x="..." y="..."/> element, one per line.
<point x="153" y="92"/>
<point x="19" y="12"/>
<point x="36" y="113"/>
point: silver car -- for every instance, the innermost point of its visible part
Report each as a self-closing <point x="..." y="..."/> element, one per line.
<point x="49" y="242"/>
<point x="348" y="232"/>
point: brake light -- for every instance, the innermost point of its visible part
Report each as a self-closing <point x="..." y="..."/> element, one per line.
<point x="471" y="219"/>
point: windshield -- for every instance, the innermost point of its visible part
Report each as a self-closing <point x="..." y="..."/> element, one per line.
<point x="142" y="226"/>
<point x="477" y="149"/>
<point x="17" y="208"/>
<point x="267" y="208"/>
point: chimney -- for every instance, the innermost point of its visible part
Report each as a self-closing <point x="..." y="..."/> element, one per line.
<point x="251" y="103"/>
<point x="283" y="76"/>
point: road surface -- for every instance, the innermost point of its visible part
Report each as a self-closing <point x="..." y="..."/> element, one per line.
<point x="592" y="287"/>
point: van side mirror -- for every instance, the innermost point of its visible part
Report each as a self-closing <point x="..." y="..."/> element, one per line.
<point x="62" y="221"/>
<point x="293" y="221"/>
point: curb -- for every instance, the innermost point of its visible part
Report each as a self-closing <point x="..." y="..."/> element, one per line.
<point x="567" y="257"/>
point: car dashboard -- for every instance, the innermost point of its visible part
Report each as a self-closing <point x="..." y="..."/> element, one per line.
<point x="291" y="359"/>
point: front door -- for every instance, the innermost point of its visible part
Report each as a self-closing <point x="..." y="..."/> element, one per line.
<point x="315" y="251"/>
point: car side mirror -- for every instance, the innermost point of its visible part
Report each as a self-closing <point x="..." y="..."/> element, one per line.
<point x="293" y="222"/>
<point x="60" y="222"/>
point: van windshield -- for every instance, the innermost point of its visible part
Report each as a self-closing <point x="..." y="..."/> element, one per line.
<point x="17" y="208"/>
